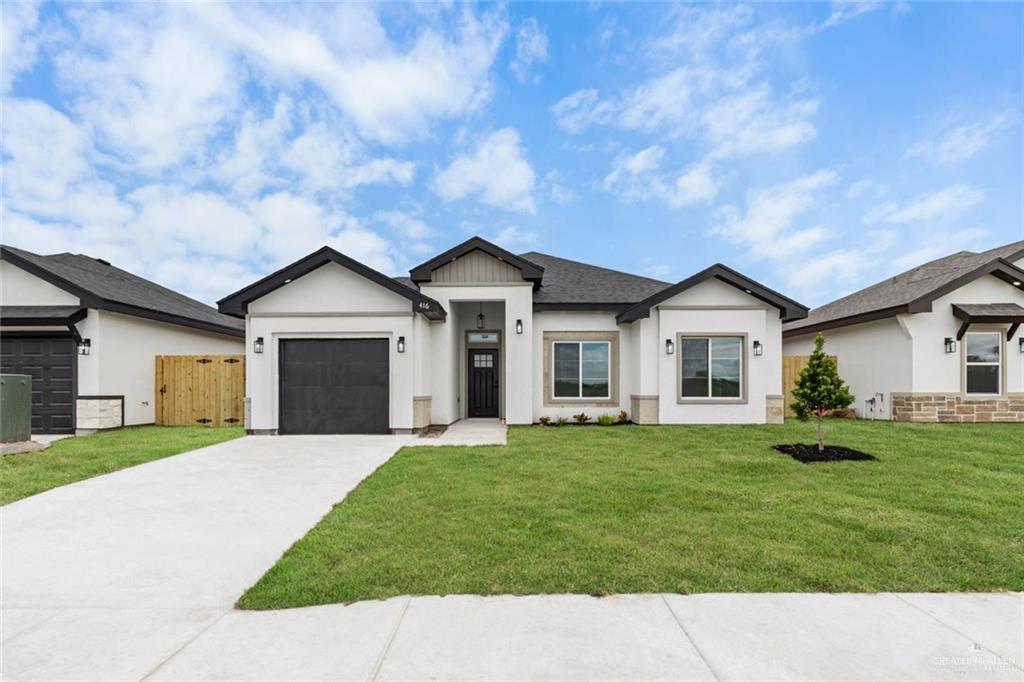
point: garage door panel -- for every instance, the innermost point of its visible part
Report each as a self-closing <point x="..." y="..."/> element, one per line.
<point x="334" y="386"/>
<point x="51" y="362"/>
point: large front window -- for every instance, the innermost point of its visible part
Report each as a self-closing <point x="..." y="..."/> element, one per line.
<point x="711" y="367"/>
<point x="582" y="369"/>
<point x="983" y="358"/>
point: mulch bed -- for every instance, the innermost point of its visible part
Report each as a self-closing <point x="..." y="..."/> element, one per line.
<point x="809" y="454"/>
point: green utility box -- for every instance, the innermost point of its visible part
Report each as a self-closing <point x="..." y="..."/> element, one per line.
<point x="15" y="408"/>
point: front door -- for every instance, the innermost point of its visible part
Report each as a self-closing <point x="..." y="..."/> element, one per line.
<point x="483" y="383"/>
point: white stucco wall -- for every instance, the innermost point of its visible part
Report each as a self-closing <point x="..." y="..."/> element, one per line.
<point x="333" y="302"/>
<point x="18" y="287"/>
<point x="583" y="322"/>
<point x="716" y="307"/>
<point x="934" y="370"/>
<point x="874" y="358"/>
<point x="121" y="359"/>
<point x="447" y="347"/>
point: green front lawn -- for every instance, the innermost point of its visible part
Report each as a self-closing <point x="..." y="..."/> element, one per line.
<point x="600" y="510"/>
<point x="74" y="459"/>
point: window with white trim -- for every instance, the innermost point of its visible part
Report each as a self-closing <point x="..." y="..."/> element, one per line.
<point x="582" y="369"/>
<point x="711" y="367"/>
<point x="983" y="363"/>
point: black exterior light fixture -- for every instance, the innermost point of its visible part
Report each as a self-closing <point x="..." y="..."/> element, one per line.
<point x="84" y="346"/>
<point x="1020" y="344"/>
<point x="481" y="321"/>
<point x="670" y="347"/>
<point x="758" y="349"/>
<point x="257" y="345"/>
<point x="401" y="344"/>
<point x="519" y="326"/>
<point x="950" y="343"/>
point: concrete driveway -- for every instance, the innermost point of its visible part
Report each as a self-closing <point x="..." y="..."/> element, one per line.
<point x="107" y="577"/>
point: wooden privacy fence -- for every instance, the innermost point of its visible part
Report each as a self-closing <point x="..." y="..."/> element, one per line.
<point x="792" y="365"/>
<point x="200" y="389"/>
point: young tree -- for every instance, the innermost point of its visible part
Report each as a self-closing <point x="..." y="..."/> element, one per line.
<point x="820" y="389"/>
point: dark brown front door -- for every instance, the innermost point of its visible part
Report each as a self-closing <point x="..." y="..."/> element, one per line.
<point x="483" y="383"/>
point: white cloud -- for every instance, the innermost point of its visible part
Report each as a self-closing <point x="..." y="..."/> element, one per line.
<point x="958" y="143"/>
<point x="943" y="204"/>
<point x="558" y="191"/>
<point x="497" y="170"/>
<point x="655" y="270"/>
<point x="531" y="48"/>
<point x="639" y="176"/>
<point x="247" y="165"/>
<point x="18" y="40"/>
<point x="939" y="244"/>
<point x="755" y="123"/>
<point x="765" y="225"/>
<point x="695" y="185"/>
<point x="408" y="225"/>
<point x="863" y="186"/>
<point x="328" y="159"/>
<point x="514" y="239"/>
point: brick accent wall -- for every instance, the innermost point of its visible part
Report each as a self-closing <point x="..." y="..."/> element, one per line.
<point x="949" y="407"/>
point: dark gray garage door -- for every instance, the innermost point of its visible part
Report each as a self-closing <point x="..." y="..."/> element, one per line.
<point x="51" y="361"/>
<point x="334" y="386"/>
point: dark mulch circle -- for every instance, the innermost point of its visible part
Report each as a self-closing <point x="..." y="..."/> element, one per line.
<point x="808" y="454"/>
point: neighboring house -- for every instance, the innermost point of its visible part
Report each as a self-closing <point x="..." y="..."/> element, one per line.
<point x="88" y="332"/>
<point x="336" y="347"/>
<point x="941" y="342"/>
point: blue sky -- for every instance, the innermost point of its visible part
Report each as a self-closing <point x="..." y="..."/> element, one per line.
<point x="817" y="148"/>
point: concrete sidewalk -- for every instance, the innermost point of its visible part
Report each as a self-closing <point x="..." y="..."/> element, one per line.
<point x="700" y="637"/>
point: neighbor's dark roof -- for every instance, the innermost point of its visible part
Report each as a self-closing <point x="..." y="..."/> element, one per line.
<point x="578" y="284"/>
<point x="913" y="290"/>
<point x="101" y="285"/>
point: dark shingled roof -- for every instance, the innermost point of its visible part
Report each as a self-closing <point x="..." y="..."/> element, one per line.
<point x="896" y="293"/>
<point x="101" y="285"/>
<point x="571" y="282"/>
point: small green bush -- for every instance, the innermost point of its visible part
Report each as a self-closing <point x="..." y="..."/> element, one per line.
<point x="606" y="420"/>
<point x="561" y="421"/>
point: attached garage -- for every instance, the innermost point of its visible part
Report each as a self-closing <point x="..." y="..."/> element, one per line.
<point x="51" y="361"/>
<point x="332" y="386"/>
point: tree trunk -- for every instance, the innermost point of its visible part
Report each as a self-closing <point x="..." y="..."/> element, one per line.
<point x="821" y="433"/>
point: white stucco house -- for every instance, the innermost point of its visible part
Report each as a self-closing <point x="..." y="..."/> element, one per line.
<point x="334" y="346"/>
<point x="88" y="333"/>
<point x="940" y="342"/>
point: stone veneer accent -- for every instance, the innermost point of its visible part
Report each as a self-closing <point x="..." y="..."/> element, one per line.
<point x="644" y="409"/>
<point x="99" y="412"/>
<point x="774" y="409"/>
<point x="953" y="407"/>
<point x="421" y="408"/>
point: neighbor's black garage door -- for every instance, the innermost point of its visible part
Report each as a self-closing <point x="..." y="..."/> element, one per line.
<point x="51" y="361"/>
<point x="334" y="386"/>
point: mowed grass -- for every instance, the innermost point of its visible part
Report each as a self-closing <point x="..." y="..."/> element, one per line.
<point x="673" y="509"/>
<point x="74" y="459"/>
<point x="679" y="509"/>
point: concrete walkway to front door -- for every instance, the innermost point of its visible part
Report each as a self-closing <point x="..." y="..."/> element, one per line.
<point x="471" y="432"/>
<point x="108" y="577"/>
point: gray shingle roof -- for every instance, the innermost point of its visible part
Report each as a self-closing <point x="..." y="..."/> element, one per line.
<point x="905" y="287"/>
<point x="569" y="281"/>
<point x="105" y="286"/>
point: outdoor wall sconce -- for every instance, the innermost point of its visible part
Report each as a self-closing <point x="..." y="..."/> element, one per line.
<point x="401" y="344"/>
<point x="83" y="346"/>
<point x="1020" y="342"/>
<point x="758" y="349"/>
<point x="519" y="326"/>
<point x="950" y="344"/>
<point x="670" y="347"/>
<point x="257" y="345"/>
<point x="481" y="321"/>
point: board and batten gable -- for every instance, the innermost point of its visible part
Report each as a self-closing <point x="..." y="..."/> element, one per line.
<point x="330" y="302"/>
<point x="475" y="267"/>
<point x="716" y="308"/>
<point x="18" y="287"/>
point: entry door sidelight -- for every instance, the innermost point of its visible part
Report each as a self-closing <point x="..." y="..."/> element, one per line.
<point x="483" y="383"/>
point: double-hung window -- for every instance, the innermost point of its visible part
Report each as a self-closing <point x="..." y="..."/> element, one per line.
<point x="983" y="363"/>
<point x="582" y="369"/>
<point x="711" y="367"/>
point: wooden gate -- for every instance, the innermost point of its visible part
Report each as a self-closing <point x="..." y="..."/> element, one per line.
<point x="200" y="389"/>
<point x="792" y="365"/>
